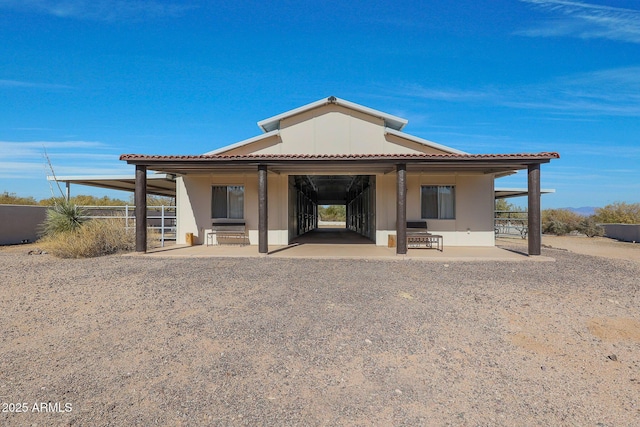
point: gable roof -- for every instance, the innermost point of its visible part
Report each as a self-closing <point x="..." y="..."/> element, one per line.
<point x="390" y="121"/>
<point x="392" y="125"/>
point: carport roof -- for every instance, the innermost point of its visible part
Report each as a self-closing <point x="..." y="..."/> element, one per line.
<point x="157" y="184"/>
<point x="505" y="193"/>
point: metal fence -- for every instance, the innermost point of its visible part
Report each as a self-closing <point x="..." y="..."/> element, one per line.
<point x="510" y="223"/>
<point x="161" y="219"/>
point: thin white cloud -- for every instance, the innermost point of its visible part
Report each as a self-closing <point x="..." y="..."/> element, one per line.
<point x="601" y="148"/>
<point x="448" y="94"/>
<point x="39" y="170"/>
<point x="100" y="10"/>
<point x="614" y="92"/>
<point x="31" y="85"/>
<point x="586" y="20"/>
<point x="14" y="149"/>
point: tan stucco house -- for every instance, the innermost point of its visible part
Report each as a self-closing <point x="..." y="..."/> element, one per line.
<point x="333" y="151"/>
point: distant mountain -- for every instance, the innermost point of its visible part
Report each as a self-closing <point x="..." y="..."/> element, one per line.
<point x="584" y="211"/>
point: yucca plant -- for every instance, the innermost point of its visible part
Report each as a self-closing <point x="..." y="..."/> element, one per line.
<point x="63" y="216"/>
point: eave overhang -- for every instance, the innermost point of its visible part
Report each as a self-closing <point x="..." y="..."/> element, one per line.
<point x="350" y="163"/>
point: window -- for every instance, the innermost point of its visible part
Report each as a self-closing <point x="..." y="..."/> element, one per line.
<point x="438" y="201"/>
<point x="227" y="201"/>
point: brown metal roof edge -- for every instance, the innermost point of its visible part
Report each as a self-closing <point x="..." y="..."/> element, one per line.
<point x="280" y="157"/>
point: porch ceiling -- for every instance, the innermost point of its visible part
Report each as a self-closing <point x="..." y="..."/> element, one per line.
<point x="331" y="189"/>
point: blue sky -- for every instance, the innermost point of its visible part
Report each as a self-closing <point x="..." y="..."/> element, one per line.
<point x="88" y="80"/>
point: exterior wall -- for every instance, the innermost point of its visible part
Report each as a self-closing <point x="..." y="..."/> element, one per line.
<point x="624" y="232"/>
<point x="333" y="129"/>
<point x="473" y="225"/>
<point x="193" y="197"/>
<point x="20" y="222"/>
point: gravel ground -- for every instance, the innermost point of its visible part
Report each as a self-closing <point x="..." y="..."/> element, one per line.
<point x="264" y="341"/>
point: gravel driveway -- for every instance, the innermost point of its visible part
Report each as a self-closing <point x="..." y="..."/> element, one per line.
<point x="279" y="342"/>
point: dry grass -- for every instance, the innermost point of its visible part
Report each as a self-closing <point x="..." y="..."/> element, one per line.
<point x="97" y="237"/>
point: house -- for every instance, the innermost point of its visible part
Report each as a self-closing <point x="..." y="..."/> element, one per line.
<point x="333" y="151"/>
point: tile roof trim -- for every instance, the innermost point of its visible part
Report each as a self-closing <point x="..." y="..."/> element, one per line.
<point x="279" y="157"/>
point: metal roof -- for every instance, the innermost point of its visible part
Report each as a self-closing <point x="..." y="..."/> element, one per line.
<point x="422" y="141"/>
<point x="244" y="142"/>
<point x="505" y="193"/>
<point x="159" y="184"/>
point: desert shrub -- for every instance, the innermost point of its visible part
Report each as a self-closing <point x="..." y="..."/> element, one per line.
<point x="96" y="237"/>
<point x="7" y="198"/>
<point x="504" y="209"/>
<point x="618" y="213"/>
<point x="62" y="217"/>
<point x="333" y="213"/>
<point x="590" y="227"/>
<point x="84" y="200"/>
<point x="560" y="221"/>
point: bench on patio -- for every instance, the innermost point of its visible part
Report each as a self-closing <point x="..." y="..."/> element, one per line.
<point x="227" y="232"/>
<point x="419" y="237"/>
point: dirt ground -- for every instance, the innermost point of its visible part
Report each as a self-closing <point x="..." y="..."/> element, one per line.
<point x="596" y="246"/>
<point x="281" y="342"/>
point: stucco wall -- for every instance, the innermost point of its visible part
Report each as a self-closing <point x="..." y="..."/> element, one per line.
<point x="473" y="225"/>
<point x="193" y="194"/>
<point x="333" y="129"/>
<point x="624" y="232"/>
<point x="19" y="223"/>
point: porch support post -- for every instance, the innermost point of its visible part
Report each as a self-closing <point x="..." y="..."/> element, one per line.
<point x="263" y="211"/>
<point x="534" y="219"/>
<point x="140" y="197"/>
<point x="401" y="213"/>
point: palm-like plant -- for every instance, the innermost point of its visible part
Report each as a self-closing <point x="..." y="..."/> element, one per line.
<point x="63" y="216"/>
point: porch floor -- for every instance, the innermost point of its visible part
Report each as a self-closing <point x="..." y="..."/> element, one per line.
<point x="344" y="244"/>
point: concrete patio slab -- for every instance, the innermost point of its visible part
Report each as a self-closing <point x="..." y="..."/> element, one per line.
<point x="340" y="243"/>
<point x="346" y="251"/>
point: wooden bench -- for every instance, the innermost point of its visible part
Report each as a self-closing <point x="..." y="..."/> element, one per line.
<point x="419" y="237"/>
<point x="227" y="232"/>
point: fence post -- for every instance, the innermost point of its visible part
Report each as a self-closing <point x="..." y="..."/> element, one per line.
<point x="162" y="226"/>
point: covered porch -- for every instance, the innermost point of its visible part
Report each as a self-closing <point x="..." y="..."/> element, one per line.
<point x="291" y="164"/>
